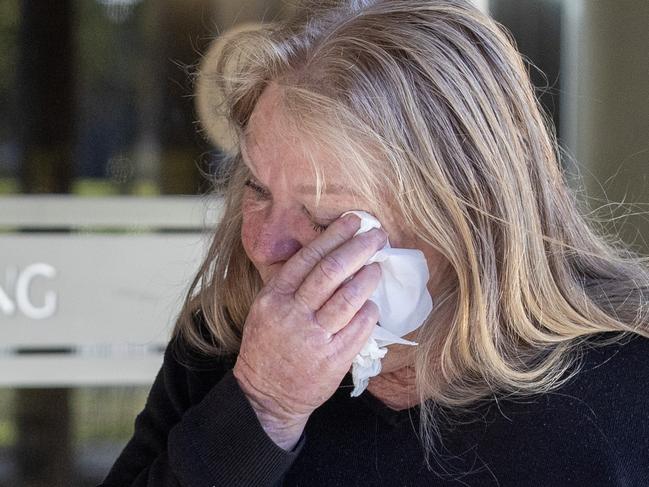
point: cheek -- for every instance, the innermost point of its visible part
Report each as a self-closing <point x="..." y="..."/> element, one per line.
<point x="252" y="220"/>
<point x="397" y="232"/>
<point x="439" y="268"/>
<point x="270" y="235"/>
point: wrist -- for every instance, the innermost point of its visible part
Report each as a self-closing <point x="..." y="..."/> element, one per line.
<point x="284" y="434"/>
<point x="283" y="427"/>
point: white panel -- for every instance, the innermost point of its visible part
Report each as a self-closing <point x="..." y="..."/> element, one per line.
<point x="40" y="211"/>
<point x="102" y="290"/>
<point x="482" y="5"/>
<point x="572" y="54"/>
<point x="72" y="371"/>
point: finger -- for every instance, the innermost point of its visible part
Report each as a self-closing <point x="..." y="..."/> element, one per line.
<point x="339" y="310"/>
<point x="348" y="342"/>
<point x="295" y="269"/>
<point x="337" y="266"/>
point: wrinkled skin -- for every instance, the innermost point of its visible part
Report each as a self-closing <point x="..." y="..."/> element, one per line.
<point x="313" y="314"/>
<point x="302" y="333"/>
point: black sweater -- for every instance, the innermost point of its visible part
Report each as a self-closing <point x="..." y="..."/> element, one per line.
<point x="198" y="429"/>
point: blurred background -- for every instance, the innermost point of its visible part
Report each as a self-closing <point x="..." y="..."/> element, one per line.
<point x="102" y="223"/>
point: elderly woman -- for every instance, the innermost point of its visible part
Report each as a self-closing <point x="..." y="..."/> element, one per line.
<point x="529" y="368"/>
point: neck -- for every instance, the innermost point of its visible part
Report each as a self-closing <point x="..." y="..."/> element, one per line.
<point x="396" y="389"/>
<point x="395" y="386"/>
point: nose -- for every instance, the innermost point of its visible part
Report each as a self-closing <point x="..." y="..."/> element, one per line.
<point x="277" y="238"/>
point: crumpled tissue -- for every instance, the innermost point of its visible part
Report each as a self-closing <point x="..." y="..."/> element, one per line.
<point x="402" y="298"/>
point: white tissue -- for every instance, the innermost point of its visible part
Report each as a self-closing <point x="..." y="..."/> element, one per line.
<point x="402" y="298"/>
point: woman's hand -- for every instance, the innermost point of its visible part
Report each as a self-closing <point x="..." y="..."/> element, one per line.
<point x="306" y="326"/>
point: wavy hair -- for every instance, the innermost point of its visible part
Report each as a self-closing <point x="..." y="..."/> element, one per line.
<point x="429" y="103"/>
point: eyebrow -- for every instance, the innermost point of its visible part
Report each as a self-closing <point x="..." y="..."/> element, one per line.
<point x="303" y="188"/>
<point x="329" y="189"/>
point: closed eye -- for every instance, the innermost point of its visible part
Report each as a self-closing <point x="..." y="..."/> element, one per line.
<point x="257" y="189"/>
<point x="318" y="227"/>
<point x="263" y="193"/>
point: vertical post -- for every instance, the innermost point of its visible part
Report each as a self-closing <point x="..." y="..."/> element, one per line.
<point x="608" y="123"/>
<point x="483" y="5"/>
<point x="46" y="94"/>
<point x="536" y="27"/>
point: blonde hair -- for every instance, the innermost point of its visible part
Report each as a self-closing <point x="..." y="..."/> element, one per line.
<point x="430" y="103"/>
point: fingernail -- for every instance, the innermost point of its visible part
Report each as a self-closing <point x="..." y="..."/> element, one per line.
<point x="352" y="219"/>
<point x="379" y="235"/>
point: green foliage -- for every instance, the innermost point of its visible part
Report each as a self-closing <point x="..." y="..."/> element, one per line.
<point x="8" y="186"/>
<point x="9" y="14"/>
<point x="106" y="413"/>
<point x="7" y="426"/>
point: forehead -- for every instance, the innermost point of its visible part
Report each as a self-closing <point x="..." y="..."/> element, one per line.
<point x="272" y="144"/>
<point x="300" y="172"/>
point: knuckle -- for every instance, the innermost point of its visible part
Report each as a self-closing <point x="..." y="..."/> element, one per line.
<point x="317" y="340"/>
<point x="310" y="255"/>
<point x="341" y="232"/>
<point x="331" y="266"/>
<point x="303" y="302"/>
<point x="265" y="300"/>
<point x="334" y="352"/>
<point x="350" y="296"/>
<point x="280" y="285"/>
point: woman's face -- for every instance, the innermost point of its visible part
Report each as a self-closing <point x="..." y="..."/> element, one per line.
<point x="279" y="211"/>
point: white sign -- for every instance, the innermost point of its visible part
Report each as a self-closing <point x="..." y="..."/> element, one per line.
<point x="75" y="290"/>
<point x="22" y="299"/>
<point x="111" y="300"/>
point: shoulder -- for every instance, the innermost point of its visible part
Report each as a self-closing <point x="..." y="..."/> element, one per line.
<point x="606" y="389"/>
<point x="614" y="352"/>
<point x="613" y="368"/>
<point x="606" y="394"/>
<point x="593" y="427"/>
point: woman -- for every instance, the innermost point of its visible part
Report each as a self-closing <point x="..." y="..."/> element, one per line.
<point x="526" y="371"/>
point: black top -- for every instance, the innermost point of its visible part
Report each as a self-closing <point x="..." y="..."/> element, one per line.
<point x="198" y="429"/>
